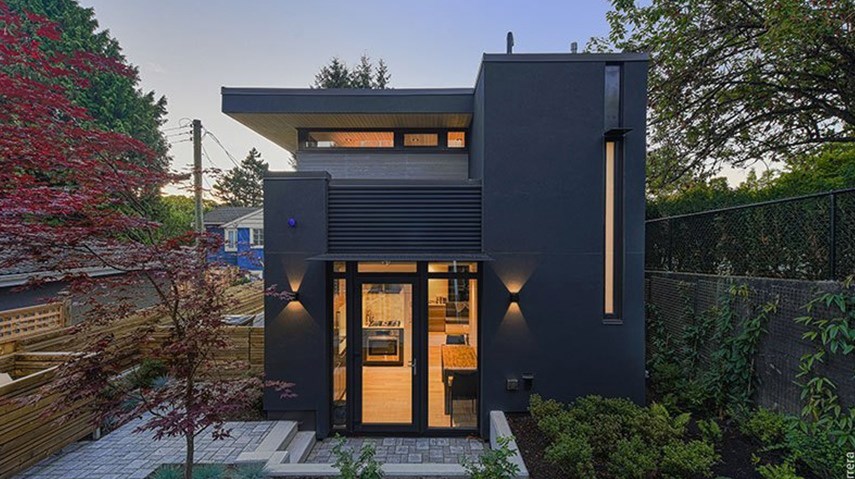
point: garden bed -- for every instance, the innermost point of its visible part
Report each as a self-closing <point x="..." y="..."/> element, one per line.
<point x="735" y="449"/>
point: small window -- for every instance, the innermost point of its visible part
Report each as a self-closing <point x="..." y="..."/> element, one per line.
<point x="421" y="139"/>
<point x="257" y="237"/>
<point x="386" y="267"/>
<point x="453" y="267"/>
<point x="457" y="139"/>
<point x="349" y="139"/>
<point x="230" y="240"/>
<point x="339" y="267"/>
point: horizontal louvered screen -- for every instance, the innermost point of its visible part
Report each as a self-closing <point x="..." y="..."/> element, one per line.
<point x="401" y="217"/>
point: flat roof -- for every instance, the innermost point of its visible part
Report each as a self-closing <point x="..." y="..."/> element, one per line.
<point x="277" y="113"/>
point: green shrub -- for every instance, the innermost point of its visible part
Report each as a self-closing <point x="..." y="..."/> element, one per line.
<point x="710" y="431"/>
<point x="658" y="427"/>
<point x="365" y="466"/>
<point x="633" y="459"/>
<point x="573" y="455"/>
<point x="540" y="408"/>
<point x="817" y="452"/>
<point x="615" y="438"/>
<point x="664" y="377"/>
<point x="688" y="459"/>
<point x="209" y="471"/>
<point x="145" y="375"/>
<point x="494" y="463"/>
<point x="781" y="471"/>
<point x="766" y="426"/>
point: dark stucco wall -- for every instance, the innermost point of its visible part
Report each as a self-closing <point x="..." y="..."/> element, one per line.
<point x="543" y="225"/>
<point x="295" y="333"/>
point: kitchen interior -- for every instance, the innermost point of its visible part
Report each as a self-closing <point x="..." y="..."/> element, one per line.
<point x="387" y="350"/>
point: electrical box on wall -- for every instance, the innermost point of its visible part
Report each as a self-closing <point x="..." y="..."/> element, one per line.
<point x="512" y="384"/>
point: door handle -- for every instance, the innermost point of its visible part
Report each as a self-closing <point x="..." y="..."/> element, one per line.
<point x="413" y="365"/>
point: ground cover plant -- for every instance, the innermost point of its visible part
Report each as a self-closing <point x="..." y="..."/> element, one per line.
<point x="597" y="437"/>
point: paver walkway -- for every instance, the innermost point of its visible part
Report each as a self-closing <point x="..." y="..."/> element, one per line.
<point x="406" y="450"/>
<point x="123" y="454"/>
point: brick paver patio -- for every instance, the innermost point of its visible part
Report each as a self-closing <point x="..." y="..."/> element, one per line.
<point x="406" y="450"/>
<point x="123" y="454"/>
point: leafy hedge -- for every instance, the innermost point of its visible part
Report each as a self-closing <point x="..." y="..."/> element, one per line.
<point x="595" y="437"/>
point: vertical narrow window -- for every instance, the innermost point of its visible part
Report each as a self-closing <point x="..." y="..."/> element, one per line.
<point x="612" y="96"/>
<point x="257" y="239"/>
<point x="339" y="352"/>
<point x="613" y="231"/>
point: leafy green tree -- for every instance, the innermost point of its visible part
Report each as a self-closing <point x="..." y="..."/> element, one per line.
<point x="115" y="101"/>
<point x="177" y="212"/>
<point x="736" y="82"/>
<point x="242" y="185"/>
<point x="365" y="75"/>
<point x="832" y="167"/>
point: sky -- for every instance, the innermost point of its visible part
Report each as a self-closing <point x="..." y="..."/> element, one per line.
<point x="188" y="50"/>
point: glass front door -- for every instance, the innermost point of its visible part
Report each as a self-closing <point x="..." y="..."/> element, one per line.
<point x="388" y="369"/>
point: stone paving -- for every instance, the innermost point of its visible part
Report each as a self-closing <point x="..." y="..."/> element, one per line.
<point x="123" y="454"/>
<point x="406" y="450"/>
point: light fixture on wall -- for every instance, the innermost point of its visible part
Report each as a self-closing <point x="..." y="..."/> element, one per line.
<point x="515" y="297"/>
<point x="295" y="297"/>
<point x="292" y="222"/>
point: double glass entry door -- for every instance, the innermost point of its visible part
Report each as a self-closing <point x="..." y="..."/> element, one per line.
<point x="405" y="347"/>
<point x="388" y="356"/>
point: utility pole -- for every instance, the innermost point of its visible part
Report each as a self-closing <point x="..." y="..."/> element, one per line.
<point x="197" y="173"/>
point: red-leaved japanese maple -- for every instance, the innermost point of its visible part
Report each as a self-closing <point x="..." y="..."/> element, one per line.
<point x="74" y="198"/>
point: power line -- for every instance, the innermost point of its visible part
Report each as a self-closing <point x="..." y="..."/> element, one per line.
<point x="217" y="141"/>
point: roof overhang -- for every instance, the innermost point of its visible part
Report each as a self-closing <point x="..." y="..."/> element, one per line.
<point x="277" y="113"/>
<point x="439" y="256"/>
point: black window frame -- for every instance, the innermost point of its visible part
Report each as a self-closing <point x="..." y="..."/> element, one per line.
<point x="398" y="142"/>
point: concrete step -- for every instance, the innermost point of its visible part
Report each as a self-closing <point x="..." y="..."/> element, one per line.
<point x="278" y="437"/>
<point x="276" y="441"/>
<point x="300" y="446"/>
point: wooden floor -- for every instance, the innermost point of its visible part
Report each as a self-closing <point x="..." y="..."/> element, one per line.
<point x="387" y="391"/>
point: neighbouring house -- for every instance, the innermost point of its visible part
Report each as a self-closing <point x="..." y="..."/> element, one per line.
<point x="242" y="230"/>
<point x="453" y="251"/>
<point x="30" y="289"/>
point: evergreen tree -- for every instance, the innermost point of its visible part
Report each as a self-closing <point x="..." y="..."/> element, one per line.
<point x="115" y="101"/>
<point x="362" y="75"/>
<point x="334" y="75"/>
<point x="382" y="76"/>
<point x="242" y="186"/>
<point x="365" y="75"/>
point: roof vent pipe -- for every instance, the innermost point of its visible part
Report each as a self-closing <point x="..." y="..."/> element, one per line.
<point x="510" y="43"/>
<point x="574" y="47"/>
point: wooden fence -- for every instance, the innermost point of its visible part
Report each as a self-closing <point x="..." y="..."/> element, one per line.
<point x="31" y="432"/>
<point x="17" y="324"/>
<point x="28" y="433"/>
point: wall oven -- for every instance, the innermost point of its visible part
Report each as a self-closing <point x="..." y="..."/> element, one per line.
<point x="383" y="347"/>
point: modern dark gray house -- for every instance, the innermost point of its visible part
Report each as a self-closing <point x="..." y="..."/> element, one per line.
<point x="453" y="251"/>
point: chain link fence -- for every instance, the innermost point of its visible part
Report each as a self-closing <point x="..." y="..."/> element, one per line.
<point x="680" y="300"/>
<point x="809" y="237"/>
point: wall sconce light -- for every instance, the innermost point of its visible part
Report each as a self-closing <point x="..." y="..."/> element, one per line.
<point x="515" y="297"/>
<point x="295" y="296"/>
<point x="292" y="222"/>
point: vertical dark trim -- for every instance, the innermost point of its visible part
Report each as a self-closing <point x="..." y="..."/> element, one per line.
<point x="832" y="237"/>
